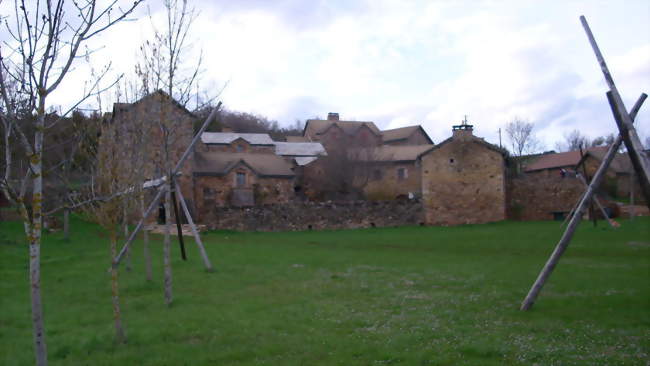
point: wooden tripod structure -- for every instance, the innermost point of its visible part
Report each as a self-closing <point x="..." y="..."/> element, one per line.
<point x="169" y="182"/>
<point x="639" y="159"/>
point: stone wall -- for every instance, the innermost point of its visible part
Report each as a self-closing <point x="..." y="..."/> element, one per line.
<point x="317" y="216"/>
<point x="216" y="191"/>
<point x="537" y="196"/>
<point x="463" y="182"/>
<point x="390" y="185"/>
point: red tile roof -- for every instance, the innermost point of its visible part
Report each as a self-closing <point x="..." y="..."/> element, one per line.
<point x="561" y="160"/>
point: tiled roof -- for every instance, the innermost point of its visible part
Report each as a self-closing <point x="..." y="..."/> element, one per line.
<point x="398" y="133"/>
<point x="228" y="137"/>
<point x="561" y="160"/>
<point x="299" y="148"/>
<point x="389" y="153"/>
<point x="620" y="164"/>
<point x="318" y="126"/>
<point x="220" y="163"/>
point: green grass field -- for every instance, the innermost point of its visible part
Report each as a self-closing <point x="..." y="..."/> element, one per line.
<point x="409" y="296"/>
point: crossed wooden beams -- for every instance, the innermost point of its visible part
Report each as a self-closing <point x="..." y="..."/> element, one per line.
<point x="639" y="159"/>
<point x="168" y="183"/>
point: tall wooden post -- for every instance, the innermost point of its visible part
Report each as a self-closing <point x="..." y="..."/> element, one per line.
<point x="161" y="189"/>
<point x="577" y="216"/>
<point x="195" y="232"/>
<point x="640" y="160"/>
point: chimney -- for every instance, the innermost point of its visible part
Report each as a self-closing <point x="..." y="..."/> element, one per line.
<point x="331" y="116"/>
<point x="463" y="131"/>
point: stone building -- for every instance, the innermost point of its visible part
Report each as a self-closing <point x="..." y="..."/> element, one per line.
<point x="156" y="121"/>
<point x="463" y="180"/>
<point x="393" y="171"/>
<point x="410" y="135"/>
<point x="363" y="160"/>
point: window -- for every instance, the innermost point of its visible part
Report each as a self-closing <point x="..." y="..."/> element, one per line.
<point x="208" y="193"/>
<point x="240" y="179"/>
<point x="239" y="148"/>
<point x="402" y="173"/>
<point x="376" y="174"/>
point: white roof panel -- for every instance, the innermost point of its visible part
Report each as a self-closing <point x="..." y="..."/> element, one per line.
<point x="299" y="149"/>
<point x="228" y="137"/>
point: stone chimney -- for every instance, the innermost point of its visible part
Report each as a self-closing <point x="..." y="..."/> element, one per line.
<point x="331" y="116"/>
<point x="463" y="131"/>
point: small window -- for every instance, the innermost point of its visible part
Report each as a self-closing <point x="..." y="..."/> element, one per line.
<point x="239" y="148"/>
<point x="402" y="173"/>
<point x="240" y="179"/>
<point x="208" y="193"/>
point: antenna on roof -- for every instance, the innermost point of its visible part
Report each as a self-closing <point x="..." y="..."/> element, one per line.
<point x="463" y="125"/>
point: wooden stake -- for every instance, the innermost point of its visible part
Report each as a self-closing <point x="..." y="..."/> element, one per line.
<point x="161" y="189"/>
<point x="575" y="220"/>
<point x="195" y="232"/>
<point x="177" y="217"/>
<point x="640" y="160"/>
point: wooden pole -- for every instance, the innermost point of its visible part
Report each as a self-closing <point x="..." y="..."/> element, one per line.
<point x="632" y="196"/>
<point x="575" y="220"/>
<point x="195" y="232"/>
<point x="640" y="160"/>
<point x="161" y="189"/>
<point x="595" y="199"/>
<point x="66" y="224"/>
<point x="177" y="217"/>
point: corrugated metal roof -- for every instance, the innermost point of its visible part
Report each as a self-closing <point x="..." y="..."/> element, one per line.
<point x="220" y="163"/>
<point x="304" y="160"/>
<point x="228" y="137"/>
<point x="560" y="160"/>
<point x="299" y="148"/>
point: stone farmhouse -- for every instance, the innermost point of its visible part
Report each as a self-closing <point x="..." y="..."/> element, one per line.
<point x="463" y="180"/>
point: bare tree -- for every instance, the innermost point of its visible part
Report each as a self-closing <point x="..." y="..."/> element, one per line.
<point x="118" y="190"/>
<point x="46" y="39"/>
<point x="521" y="136"/>
<point x="573" y="140"/>
<point x="163" y="67"/>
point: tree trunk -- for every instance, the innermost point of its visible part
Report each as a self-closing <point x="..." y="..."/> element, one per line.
<point x="126" y="236"/>
<point x="66" y="224"/>
<point x="120" y="337"/>
<point x="145" y="239"/>
<point x="167" y="247"/>
<point x="36" y="164"/>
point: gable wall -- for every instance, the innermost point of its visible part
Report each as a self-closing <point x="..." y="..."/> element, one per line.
<point x="469" y="190"/>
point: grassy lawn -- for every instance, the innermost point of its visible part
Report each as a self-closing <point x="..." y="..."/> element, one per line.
<point x="411" y="296"/>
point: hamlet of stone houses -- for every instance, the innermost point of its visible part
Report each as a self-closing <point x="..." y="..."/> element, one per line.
<point x="369" y="177"/>
<point x="192" y="182"/>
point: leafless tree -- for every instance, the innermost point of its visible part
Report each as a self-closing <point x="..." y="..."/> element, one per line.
<point x="46" y="39"/>
<point x="521" y="136"/>
<point x="573" y="140"/>
<point x="119" y="189"/>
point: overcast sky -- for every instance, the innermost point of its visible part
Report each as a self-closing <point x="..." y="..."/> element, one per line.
<point x="399" y="63"/>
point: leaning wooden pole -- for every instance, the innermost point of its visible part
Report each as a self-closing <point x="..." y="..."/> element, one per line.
<point x="195" y="232"/>
<point x="177" y="217"/>
<point x="161" y="190"/>
<point x="577" y="216"/>
<point x="640" y="160"/>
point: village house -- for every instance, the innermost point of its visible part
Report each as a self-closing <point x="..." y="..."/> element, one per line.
<point x="463" y="180"/>
<point x="362" y="158"/>
<point x="144" y="121"/>
<point x="247" y="169"/>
